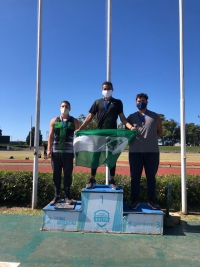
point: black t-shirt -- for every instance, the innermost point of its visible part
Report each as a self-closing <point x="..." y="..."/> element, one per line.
<point x="107" y="112"/>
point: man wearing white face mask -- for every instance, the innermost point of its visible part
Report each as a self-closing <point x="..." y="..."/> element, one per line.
<point x="60" y="149"/>
<point x="107" y="110"/>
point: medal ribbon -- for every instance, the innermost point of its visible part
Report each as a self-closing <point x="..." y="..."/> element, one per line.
<point x="106" y="105"/>
<point x="142" y="118"/>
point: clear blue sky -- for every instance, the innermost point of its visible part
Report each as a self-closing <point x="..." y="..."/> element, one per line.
<point x="145" y="58"/>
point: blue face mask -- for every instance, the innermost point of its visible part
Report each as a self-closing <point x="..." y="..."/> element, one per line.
<point x="141" y="105"/>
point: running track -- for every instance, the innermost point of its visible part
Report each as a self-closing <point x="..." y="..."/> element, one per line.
<point x="122" y="167"/>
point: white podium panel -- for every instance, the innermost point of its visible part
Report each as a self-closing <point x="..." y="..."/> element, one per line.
<point x="61" y="219"/>
<point x="143" y="220"/>
<point x="102" y="209"/>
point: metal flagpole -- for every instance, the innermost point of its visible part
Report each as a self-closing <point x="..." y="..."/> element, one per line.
<point x="108" y="62"/>
<point x="182" y="113"/>
<point x="37" y="117"/>
<point x="31" y="134"/>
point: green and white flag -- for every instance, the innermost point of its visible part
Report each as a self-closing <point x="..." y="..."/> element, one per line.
<point x="95" y="148"/>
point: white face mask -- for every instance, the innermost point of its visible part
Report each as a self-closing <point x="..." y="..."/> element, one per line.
<point x="107" y="93"/>
<point x="64" y="111"/>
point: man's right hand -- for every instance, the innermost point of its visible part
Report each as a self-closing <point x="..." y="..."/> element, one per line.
<point x="48" y="154"/>
<point x="133" y="128"/>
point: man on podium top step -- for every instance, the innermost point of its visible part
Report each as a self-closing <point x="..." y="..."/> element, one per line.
<point x="107" y="110"/>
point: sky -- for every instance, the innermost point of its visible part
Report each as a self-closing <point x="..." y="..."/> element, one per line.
<point x="144" y="58"/>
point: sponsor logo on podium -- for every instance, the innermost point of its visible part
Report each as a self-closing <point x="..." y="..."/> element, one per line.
<point x="101" y="217"/>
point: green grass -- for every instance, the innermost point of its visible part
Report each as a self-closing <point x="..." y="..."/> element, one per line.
<point x="169" y="157"/>
<point x="18" y="154"/>
<point x="194" y="149"/>
<point x="164" y="156"/>
<point x="19" y="210"/>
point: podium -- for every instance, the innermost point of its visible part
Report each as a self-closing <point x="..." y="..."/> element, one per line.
<point x="102" y="209"/>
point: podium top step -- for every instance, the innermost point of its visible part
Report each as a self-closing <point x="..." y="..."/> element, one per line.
<point x="102" y="188"/>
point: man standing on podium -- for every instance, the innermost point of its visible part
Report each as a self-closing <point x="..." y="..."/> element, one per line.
<point x="61" y="151"/>
<point x="107" y="110"/>
<point x="144" y="151"/>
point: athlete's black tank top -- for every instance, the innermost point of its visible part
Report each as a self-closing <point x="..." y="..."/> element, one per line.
<point x="63" y="135"/>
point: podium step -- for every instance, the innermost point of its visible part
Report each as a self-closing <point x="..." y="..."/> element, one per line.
<point x="143" y="220"/>
<point x="102" y="209"/>
<point x="58" y="219"/>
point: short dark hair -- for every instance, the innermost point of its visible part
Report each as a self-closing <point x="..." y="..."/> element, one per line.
<point x="142" y="95"/>
<point x="66" y="102"/>
<point x="107" y="83"/>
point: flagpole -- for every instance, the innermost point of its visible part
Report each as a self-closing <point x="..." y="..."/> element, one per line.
<point x="37" y="117"/>
<point x="31" y="134"/>
<point x="108" y="62"/>
<point x="182" y="113"/>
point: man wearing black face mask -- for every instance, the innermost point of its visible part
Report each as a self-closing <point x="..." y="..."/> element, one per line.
<point x="144" y="151"/>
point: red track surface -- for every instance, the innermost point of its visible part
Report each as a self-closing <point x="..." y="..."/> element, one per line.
<point x="165" y="167"/>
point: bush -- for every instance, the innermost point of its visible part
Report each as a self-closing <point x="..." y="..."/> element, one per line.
<point x="16" y="188"/>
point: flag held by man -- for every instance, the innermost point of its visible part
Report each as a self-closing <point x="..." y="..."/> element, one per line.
<point x="94" y="148"/>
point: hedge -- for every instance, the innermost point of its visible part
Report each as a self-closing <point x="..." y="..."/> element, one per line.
<point x="16" y="188"/>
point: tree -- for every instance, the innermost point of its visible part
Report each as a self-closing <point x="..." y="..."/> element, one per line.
<point x="93" y="125"/>
<point x="33" y="137"/>
<point x="171" y="131"/>
<point x="81" y="119"/>
<point x="192" y="134"/>
<point x="162" y="138"/>
<point x="0" y="132"/>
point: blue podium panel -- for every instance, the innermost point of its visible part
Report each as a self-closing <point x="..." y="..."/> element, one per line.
<point x="143" y="220"/>
<point x="61" y="219"/>
<point x="102" y="209"/>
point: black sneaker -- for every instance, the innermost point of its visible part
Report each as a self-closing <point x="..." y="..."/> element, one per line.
<point x="91" y="184"/>
<point x="113" y="185"/>
<point x="154" y="205"/>
<point x="134" y="205"/>
<point x="68" y="201"/>
<point x="55" y="200"/>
